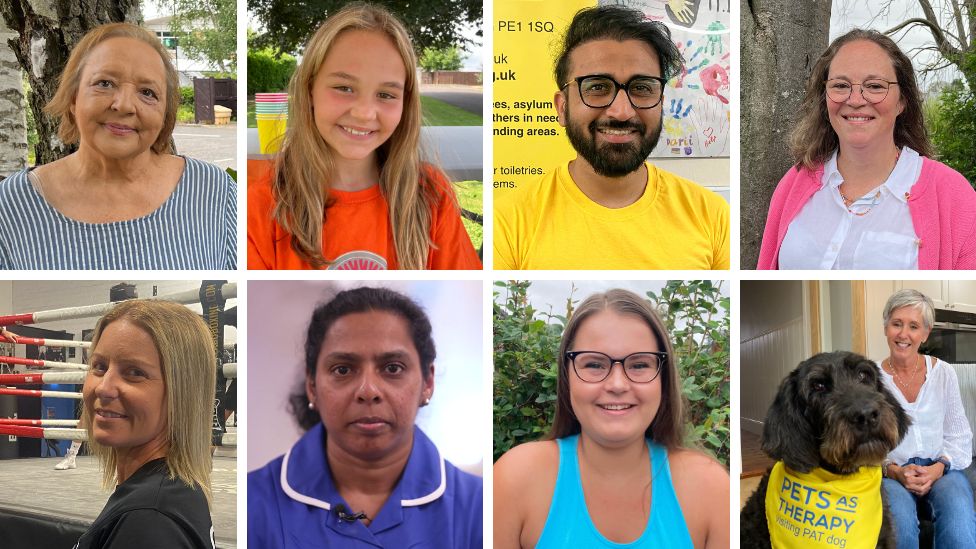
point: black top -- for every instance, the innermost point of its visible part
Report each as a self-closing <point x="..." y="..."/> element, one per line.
<point x="149" y="511"/>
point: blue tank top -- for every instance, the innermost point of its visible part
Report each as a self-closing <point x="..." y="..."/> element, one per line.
<point x="569" y="523"/>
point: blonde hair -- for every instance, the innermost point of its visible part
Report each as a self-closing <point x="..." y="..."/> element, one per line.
<point x="305" y="165"/>
<point x="189" y="368"/>
<point x="64" y="97"/>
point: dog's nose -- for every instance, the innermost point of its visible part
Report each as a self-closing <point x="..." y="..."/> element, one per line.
<point x="866" y="416"/>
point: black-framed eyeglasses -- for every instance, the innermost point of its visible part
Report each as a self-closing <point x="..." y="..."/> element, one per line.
<point x="594" y="366"/>
<point x="873" y="90"/>
<point x="598" y="91"/>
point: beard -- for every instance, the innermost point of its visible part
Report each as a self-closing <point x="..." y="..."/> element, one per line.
<point x="612" y="159"/>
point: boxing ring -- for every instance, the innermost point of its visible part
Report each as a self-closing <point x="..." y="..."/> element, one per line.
<point x="32" y="508"/>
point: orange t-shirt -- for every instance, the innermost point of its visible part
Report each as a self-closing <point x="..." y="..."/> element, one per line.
<point x="356" y="233"/>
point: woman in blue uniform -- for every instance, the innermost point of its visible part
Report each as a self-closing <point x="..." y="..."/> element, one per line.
<point x="612" y="471"/>
<point x="364" y="475"/>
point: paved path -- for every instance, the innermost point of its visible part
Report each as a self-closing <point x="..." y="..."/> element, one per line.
<point x="214" y="144"/>
<point x="462" y="97"/>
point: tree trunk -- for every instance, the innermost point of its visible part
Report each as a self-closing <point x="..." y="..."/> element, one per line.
<point x="13" y="125"/>
<point x="780" y="42"/>
<point x="46" y="31"/>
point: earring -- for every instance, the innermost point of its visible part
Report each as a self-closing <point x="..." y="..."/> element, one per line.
<point x="426" y="401"/>
<point x="311" y="405"/>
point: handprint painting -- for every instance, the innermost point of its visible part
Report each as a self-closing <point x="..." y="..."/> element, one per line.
<point x="614" y="75"/>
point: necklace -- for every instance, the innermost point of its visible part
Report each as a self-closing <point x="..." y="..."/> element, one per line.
<point x="863" y="206"/>
<point x="894" y="373"/>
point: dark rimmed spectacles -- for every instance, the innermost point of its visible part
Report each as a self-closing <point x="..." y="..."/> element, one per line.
<point x="873" y="90"/>
<point x="594" y="366"/>
<point x="598" y="91"/>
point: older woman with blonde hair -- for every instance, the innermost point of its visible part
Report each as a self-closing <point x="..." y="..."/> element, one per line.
<point x="866" y="192"/>
<point x="123" y="200"/>
<point x="148" y="404"/>
<point x="349" y="189"/>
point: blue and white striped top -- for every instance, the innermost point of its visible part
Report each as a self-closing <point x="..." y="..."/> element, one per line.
<point x="195" y="228"/>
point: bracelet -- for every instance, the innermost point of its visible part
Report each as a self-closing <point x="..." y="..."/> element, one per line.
<point x="944" y="461"/>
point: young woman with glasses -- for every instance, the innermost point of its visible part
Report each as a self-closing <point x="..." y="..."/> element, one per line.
<point x="612" y="471"/>
<point x="866" y="193"/>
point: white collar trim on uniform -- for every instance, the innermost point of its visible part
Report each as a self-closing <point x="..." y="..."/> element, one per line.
<point x="315" y="502"/>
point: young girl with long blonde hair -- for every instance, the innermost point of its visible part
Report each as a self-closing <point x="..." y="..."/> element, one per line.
<point x="349" y="189"/>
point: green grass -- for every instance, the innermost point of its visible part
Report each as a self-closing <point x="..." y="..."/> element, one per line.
<point x="469" y="196"/>
<point x="185" y="115"/>
<point x="252" y="121"/>
<point x="439" y="113"/>
<point x="436" y="113"/>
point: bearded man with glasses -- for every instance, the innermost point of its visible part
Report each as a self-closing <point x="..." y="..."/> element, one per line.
<point x="629" y="214"/>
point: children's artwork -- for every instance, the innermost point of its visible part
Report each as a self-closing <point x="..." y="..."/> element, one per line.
<point x="695" y="110"/>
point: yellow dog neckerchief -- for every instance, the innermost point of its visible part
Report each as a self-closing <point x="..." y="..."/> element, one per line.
<point x="820" y="509"/>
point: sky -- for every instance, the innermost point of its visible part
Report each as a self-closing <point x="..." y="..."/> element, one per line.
<point x="885" y="14"/>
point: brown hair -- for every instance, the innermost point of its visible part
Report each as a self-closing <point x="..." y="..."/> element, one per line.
<point x="667" y="427"/>
<point x="304" y="167"/>
<point x="189" y="368"/>
<point x="813" y="139"/>
<point x="64" y="97"/>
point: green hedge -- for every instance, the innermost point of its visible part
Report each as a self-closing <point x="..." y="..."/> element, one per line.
<point x="526" y="343"/>
<point x="266" y="73"/>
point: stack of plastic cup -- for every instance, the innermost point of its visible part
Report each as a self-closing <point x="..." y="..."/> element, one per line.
<point x="271" y="111"/>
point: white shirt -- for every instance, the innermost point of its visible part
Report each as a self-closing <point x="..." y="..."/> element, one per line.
<point x="825" y="235"/>
<point x="939" y="425"/>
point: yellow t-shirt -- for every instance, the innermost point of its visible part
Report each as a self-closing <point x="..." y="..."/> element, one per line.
<point x="551" y="224"/>
<point x="820" y="509"/>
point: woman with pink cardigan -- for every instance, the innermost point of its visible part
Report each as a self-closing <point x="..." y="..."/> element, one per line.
<point x="865" y="193"/>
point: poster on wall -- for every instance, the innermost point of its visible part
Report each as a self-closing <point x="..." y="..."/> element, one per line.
<point x="696" y="101"/>
<point x="528" y="140"/>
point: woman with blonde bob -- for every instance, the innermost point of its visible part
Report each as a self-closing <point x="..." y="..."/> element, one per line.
<point x="866" y="192"/>
<point x="348" y="189"/>
<point x="123" y="200"/>
<point x="148" y="404"/>
<point x="613" y="471"/>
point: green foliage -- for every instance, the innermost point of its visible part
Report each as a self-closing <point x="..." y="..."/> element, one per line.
<point x="526" y="342"/>
<point x="186" y="96"/>
<point x="526" y="368"/>
<point x="434" y="24"/>
<point x="440" y="59"/>
<point x="697" y="316"/>
<point x="952" y="124"/>
<point x="267" y="73"/>
<point x="207" y="29"/>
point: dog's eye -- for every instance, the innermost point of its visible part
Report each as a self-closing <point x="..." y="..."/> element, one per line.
<point x="863" y="377"/>
<point x="818" y="386"/>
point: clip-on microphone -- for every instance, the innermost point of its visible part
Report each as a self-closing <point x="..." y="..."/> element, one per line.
<point x="346" y="516"/>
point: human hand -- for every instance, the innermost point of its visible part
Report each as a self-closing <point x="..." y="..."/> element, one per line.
<point x="712" y="122"/>
<point x="8" y="334"/>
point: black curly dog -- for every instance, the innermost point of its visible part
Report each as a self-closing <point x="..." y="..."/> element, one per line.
<point x="834" y="412"/>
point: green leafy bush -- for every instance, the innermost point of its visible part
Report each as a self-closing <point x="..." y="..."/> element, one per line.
<point x="440" y="59"/>
<point x="952" y="124"/>
<point x="526" y="342"/>
<point x="267" y="73"/>
<point x="186" y="96"/>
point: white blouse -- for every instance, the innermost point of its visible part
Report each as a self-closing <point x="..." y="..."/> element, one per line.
<point x="825" y="235"/>
<point x="939" y="425"/>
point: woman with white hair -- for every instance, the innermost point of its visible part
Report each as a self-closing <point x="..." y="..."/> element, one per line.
<point x="925" y="470"/>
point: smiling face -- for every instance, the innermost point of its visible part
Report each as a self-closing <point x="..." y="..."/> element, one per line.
<point x="904" y="332"/>
<point x="121" y="101"/>
<point x="614" y="140"/>
<point x="857" y="122"/>
<point x="615" y="411"/>
<point x="358" y="93"/>
<point x="368" y="385"/>
<point x="124" y="391"/>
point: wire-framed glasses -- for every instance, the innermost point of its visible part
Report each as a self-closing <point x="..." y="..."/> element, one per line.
<point x="598" y="90"/>
<point x="594" y="366"/>
<point x="873" y="90"/>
